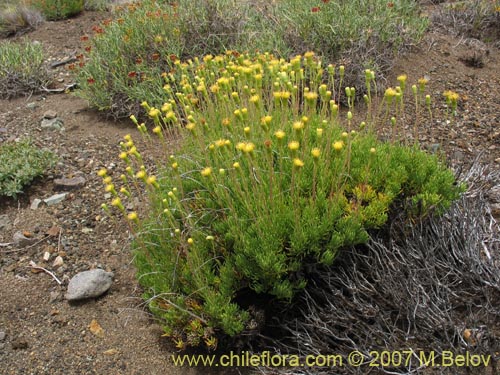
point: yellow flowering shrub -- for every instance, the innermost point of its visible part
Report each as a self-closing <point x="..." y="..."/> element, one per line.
<point x="261" y="191"/>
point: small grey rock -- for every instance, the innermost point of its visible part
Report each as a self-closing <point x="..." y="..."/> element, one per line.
<point x="31" y="105"/>
<point x="35" y="204"/>
<point x="55" y="199"/>
<point x="21" y="240"/>
<point x="69" y="183"/>
<point x="52" y="124"/>
<point x="5" y="222"/>
<point x="2" y="335"/>
<point x="89" y="284"/>
<point x="50" y="114"/>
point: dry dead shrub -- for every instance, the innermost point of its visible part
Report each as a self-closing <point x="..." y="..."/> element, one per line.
<point x="428" y="286"/>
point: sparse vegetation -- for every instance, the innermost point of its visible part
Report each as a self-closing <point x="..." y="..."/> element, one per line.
<point x="18" y="18"/>
<point x="22" y="69"/>
<point x="20" y="163"/>
<point x="127" y="54"/>
<point x="57" y="9"/>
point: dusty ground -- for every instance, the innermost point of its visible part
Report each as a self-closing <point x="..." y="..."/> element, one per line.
<point x="45" y="334"/>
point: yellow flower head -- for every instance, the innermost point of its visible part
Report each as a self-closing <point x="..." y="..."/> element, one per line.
<point x="153" y="112"/>
<point x="298" y="163"/>
<point x="151" y="180"/>
<point x="390" y="93"/>
<point x="310" y="96"/>
<point x="123" y="156"/>
<point x="338" y="145"/>
<point x="254" y="99"/>
<point x="141" y="174"/>
<point x="236" y="165"/>
<point x="249" y="147"/>
<point x="107" y="180"/>
<point x="220" y="142"/>
<point x="298" y="125"/>
<point x="102" y="172"/>
<point x="206" y="172"/>
<point x="402" y="78"/>
<point x="117" y="202"/>
<point x="157" y="130"/>
<point x="319" y="132"/>
<point x="316" y="152"/>
<point x="294" y="145"/>
<point x="190" y="241"/>
<point x="280" y="134"/>
<point x="132" y="216"/>
<point x="266" y="120"/>
<point x="109" y="188"/>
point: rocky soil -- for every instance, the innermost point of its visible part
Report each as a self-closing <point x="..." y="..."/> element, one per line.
<point x="40" y="331"/>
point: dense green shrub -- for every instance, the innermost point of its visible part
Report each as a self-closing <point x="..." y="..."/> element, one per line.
<point x="21" y="163"/>
<point x="22" y="69"/>
<point x="271" y="180"/>
<point x="127" y="55"/>
<point x="57" y="9"/>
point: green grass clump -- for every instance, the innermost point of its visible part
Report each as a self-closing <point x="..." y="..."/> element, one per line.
<point x="57" y="9"/>
<point x="127" y="55"/>
<point x="20" y="163"/>
<point x="272" y="180"/>
<point x="22" y="68"/>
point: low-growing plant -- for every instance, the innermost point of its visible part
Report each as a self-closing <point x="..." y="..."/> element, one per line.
<point x="127" y="55"/>
<point x="272" y="180"/>
<point x="478" y="19"/>
<point x="20" y="163"/>
<point x="22" y="69"/>
<point x="57" y="9"/>
<point x="17" y="19"/>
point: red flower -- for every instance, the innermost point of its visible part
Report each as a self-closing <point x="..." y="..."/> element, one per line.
<point x="173" y="58"/>
<point x="97" y="29"/>
<point x="91" y="81"/>
<point x="132" y="74"/>
<point x="390" y="5"/>
<point x="315" y="9"/>
<point x="79" y="56"/>
<point x="325" y="1"/>
<point x="84" y="38"/>
<point x="155" y="56"/>
<point x="88" y="49"/>
<point x="81" y="64"/>
<point x="71" y="67"/>
<point x="138" y="60"/>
